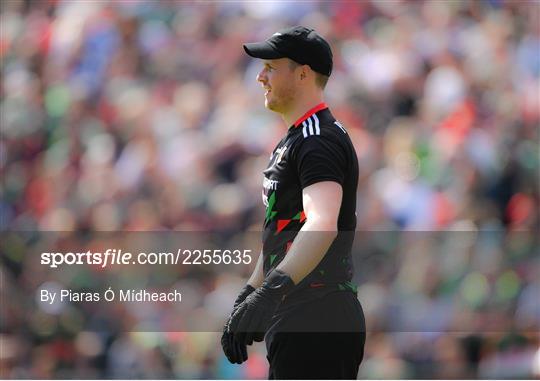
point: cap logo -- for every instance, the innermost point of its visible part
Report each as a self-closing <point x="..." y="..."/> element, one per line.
<point x="277" y="34"/>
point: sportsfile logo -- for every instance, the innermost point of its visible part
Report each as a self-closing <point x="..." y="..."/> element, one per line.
<point x="109" y="257"/>
<point x="112" y="257"/>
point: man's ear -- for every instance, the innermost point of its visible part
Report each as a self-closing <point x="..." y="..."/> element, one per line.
<point x="303" y="73"/>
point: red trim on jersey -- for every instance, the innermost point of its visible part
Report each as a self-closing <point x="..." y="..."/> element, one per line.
<point x="319" y="107"/>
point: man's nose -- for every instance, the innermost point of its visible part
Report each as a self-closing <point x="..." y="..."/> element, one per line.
<point x="261" y="77"/>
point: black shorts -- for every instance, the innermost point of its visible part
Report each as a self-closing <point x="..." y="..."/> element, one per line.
<point x="323" y="339"/>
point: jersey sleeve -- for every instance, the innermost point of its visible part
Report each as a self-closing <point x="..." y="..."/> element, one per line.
<point x="319" y="158"/>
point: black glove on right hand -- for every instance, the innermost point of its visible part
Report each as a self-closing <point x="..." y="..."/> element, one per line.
<point x="248" y="289"/>
<point x="235" y="351"/>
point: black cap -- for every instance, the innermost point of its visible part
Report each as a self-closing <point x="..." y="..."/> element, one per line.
<point x="300" y="44"/>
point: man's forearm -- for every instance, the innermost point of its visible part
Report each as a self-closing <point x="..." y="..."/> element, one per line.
<point x="308" y="249"/>
<point x="257" y="277"/>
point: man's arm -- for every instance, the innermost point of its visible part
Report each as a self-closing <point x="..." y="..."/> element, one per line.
<point x="257" y="277"/>
<point x="322" y="202"/>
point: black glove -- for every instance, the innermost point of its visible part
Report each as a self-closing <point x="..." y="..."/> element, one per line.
<point x="235" y="351"/>
<point x="250" y="321"/>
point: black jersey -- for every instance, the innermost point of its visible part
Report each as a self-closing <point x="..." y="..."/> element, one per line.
<point x="316" y="148"/>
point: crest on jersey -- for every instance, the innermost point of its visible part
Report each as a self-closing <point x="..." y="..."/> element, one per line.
<point x="280" y="154"/>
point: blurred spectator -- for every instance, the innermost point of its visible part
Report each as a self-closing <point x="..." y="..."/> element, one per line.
<point x="146" y="116"/>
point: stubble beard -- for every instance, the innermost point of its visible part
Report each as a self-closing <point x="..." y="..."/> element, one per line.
<point x="281" y="101"/>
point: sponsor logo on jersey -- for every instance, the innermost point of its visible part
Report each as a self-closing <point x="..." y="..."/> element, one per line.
<point x="270" y="184"/>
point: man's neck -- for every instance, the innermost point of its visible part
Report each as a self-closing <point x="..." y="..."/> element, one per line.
<point x="300" y="109"/>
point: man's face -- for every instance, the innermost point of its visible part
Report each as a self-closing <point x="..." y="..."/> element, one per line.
<point x="278" y="79"/>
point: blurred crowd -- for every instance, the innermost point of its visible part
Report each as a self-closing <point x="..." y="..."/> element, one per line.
<point x="146" y="116"/>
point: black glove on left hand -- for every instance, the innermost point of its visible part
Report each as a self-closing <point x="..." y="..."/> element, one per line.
<point x="251" y="319"/>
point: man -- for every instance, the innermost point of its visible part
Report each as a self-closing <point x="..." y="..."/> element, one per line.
<point x="299" y="297"/>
